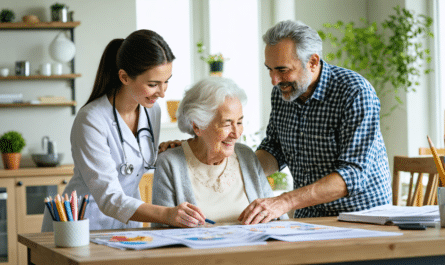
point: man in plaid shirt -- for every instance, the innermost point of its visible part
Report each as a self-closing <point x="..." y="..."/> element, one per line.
<point x="324" y="125"/>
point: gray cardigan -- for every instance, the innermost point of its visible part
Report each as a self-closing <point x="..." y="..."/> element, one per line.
<point x="172" y="186"/>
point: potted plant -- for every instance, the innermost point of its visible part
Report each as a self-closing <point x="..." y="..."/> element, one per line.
<point x="391" y="53"/>
<point x="278" y="181"/>
<point x="59" y="12"/>
<point x="7" y="15"/>
<point x="11" y="145"/>
<point x="215" y="61"/>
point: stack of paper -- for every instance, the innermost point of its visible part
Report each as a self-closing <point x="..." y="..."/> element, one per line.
<point x="229" y="236"/>
<point x="391" y="214"/>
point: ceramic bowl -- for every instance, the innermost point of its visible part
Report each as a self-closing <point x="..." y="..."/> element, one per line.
<point x="31" y="19"/>
<point x="47" y="160"/>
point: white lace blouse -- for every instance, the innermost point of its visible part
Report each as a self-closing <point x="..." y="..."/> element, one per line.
<point x="219" y="189"/>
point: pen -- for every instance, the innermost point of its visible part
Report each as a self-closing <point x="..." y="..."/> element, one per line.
<point x="66" y="203"/>
<point x="210" y="221"/>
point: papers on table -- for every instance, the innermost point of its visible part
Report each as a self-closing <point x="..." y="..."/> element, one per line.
<point x="391" y="214"/>
<point x="230" y="236"/>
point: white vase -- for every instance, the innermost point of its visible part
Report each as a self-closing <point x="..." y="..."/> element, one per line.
<point x="62" y="49"/>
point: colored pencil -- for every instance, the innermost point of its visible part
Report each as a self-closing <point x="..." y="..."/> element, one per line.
<point x="60" y="208"/>
<point x="82" y="204"/>
<point x="74" y="205"/>
<point x="86" y="201"/>
<point x="56" y="213"/>
<point x="66" y="203"/>
<point x="439" y="165"/>
<point x="49" y="206"/>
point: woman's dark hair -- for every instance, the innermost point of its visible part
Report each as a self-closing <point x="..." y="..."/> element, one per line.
<point x="139" y="52"/>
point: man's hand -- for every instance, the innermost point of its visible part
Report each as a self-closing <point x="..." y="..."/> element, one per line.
<point x="169" y="144"/>
<point x="264" y="210"/>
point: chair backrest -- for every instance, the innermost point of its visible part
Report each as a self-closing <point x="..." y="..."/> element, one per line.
<point x="427" y="151"/>
<point x="418" y="167"/>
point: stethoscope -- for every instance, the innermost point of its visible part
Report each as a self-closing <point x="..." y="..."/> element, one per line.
<point x="126" y="168"/>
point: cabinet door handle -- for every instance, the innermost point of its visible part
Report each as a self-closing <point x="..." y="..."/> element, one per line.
<point x="64" y="181"/>
<point x="19" y="183"/>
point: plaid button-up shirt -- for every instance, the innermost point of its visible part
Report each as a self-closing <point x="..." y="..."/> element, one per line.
<point x="336" y="130"/>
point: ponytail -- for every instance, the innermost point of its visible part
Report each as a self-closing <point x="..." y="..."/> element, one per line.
<point x="107" y="77"/>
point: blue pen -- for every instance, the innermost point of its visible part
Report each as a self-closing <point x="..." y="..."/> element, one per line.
<point x="210" y="221"/>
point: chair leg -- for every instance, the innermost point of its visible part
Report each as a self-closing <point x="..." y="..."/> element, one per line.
<point x="409" y="201"/>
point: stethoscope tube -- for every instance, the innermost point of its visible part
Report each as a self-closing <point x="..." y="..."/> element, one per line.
<point x="126" y="168"/>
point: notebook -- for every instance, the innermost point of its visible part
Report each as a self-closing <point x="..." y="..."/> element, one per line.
<point x="392" y="214"/>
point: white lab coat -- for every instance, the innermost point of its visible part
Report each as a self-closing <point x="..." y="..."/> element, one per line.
<point x="97" y="155"/>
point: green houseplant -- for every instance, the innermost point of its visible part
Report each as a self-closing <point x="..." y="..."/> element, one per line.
<point x="11" y="146"/>
<point x="215" y="61"/>
<point x="55" y="11"/>
<point x="389" y="53"/>
<point x="278" y="181"/>
<point x="7" y="15"/>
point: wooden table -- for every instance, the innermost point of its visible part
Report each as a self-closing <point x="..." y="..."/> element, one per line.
<point x="428" y="244"/>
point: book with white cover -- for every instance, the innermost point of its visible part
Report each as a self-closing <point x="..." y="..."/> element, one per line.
<point x="390" y="214"/>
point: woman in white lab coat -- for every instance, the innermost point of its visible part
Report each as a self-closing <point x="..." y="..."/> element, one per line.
<point x="115" y="136"/>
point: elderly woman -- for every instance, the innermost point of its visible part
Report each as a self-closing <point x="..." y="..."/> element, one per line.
<point x="210" y="170"/>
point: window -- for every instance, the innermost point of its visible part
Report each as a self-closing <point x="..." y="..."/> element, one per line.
<point x="158" y="16"/>
<point x="234" y="32"/>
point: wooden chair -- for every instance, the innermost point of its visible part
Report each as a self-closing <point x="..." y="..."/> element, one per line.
<point x="427" y="151"/>
<point x="145" y="188"/>
<point x="418" y="167"/>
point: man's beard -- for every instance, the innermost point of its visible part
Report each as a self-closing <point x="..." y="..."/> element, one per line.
<point x="297" y="88"/>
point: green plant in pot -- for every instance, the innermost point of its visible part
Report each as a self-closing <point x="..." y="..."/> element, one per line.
<point x="11" y="146"/>
<point x="390" y="55"/>
<point x="215" y="61"/>
<point x="56" y="12"/>
<point x="7" y="15"/>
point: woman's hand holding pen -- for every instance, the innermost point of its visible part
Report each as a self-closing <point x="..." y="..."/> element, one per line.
<point x="185" y="215"/>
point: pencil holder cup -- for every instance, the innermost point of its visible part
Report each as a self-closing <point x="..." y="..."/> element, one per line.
<point x="441" y="203"/>
<point x="72" y="233"/>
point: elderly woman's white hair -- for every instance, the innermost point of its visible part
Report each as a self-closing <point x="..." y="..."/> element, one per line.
<point x="201" y="101"/>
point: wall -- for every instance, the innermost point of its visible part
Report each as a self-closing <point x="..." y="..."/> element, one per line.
<point x="101" y="21"/>
<point x="313" y="13"/>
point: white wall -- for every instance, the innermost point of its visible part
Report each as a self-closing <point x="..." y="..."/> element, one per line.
<point x="101" y="21"/>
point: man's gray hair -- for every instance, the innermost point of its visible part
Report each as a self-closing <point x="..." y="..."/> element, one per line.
<point x="201" y="101"/>
<point x="307" y="41"/>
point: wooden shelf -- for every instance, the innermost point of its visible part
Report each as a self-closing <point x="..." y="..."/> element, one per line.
<point x="40" y="25"/>
<point x="18" y="105"/>
<point x="39" y="77"/>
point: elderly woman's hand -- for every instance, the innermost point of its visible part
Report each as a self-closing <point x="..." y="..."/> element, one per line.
<point x="185" y="215"/>
<point x="169" y="144"/>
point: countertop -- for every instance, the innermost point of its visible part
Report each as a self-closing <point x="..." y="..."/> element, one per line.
<point x="37" y="171"/>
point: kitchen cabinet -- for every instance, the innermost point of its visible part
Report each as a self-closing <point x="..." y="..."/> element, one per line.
<point x="26" y="189"/>
<point x="69" y="26"/>
<point x="8" y="232"/>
